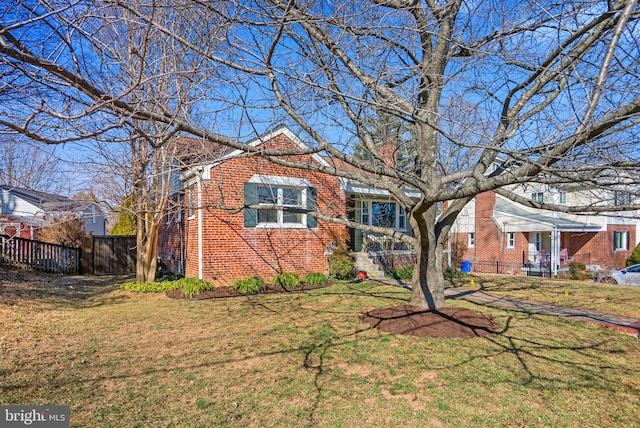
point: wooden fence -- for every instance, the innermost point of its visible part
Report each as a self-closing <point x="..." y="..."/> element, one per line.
<point x="99" y="255"/>
<point x="36" y="255"/>
<point x="103" y="255"/>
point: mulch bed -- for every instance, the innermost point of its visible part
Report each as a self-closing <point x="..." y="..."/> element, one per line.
<point x="445" y="323"/>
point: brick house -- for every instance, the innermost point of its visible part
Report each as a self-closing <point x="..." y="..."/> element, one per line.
<point x="213" y="237"/>
<point x="501" y="236"/>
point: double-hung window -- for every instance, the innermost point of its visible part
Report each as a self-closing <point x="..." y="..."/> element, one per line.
<point x="620" y="241"/>
<point x="511" y="240"/>
<point x="281" y="198"/>
<point x="273" y="201"/>
<point x="191" y="201"/>
<point x="622" y="198"/>
<point x="562" y="197"/>
<point x="365" y="212"/>
<point x="402" y="219"/>
<point x="537" y="197"/>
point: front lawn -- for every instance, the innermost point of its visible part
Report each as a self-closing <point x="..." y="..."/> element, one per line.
<point x="121" y="359"/>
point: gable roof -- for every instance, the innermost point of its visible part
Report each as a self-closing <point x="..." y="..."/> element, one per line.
<point x="193" y="151"/>
<point x="279" y="130"/>
<point x="216" y="158"/>
<point x="47" y="202"/>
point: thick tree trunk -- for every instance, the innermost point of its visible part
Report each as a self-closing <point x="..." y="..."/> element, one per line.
<point x="428" y="277"/>
<point x="147" y="253"/>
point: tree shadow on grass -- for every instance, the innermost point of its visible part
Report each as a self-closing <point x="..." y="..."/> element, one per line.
<point x="57" y="291"/>
<point x="535" y="360"/>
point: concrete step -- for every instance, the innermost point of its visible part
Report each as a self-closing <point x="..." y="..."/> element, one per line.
<point x="365" y="264"/>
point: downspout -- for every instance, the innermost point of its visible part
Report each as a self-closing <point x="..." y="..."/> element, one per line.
<point x="199" y="202"/>
<point x="181" y="226"/>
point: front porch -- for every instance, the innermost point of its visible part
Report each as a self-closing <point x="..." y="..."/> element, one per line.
<point x="386" y="253"/>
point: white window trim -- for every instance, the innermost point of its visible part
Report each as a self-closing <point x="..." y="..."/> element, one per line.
<point x="625" y="240"/>
<point x="280" y="224"/>
<point x="621" y="198"/>
<point x="535" y="197"/>
<point x="472" y="240"/>
<point x="370" y="203"/>
<point x="562" y="197"/>
<point x="276" y="180"/>
<point x="537" y="240"/>
<point x="511" y="240"/>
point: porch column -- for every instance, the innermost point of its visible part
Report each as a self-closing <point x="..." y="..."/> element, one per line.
<point x="555" y="250"/>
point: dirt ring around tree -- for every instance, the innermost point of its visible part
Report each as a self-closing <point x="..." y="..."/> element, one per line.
<point x="420" y="322"/>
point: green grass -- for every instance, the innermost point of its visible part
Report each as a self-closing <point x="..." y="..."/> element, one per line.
<point x="124" y="359"/>
<point x="614" y="299"/>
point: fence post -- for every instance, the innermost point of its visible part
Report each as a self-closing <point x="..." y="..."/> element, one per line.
<point x="86" y="255"/>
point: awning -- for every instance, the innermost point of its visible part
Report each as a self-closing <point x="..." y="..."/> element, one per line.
<point x="513" y="217"/>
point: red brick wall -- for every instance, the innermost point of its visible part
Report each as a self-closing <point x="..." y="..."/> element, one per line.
<point x="489" y="240"/>
<point x="231" y="251"/>
<point x="597" y="248"/>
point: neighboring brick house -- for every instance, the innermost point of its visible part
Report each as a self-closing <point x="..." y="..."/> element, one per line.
<point x="24" y="211"/>
<point x="216" y="239"/>
<point x="498" y="232"/>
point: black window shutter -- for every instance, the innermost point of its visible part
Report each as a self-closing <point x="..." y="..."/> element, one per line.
<point x="628" y="236"/>
<point x="312" y="197"/>
<point x="250" y="198"/>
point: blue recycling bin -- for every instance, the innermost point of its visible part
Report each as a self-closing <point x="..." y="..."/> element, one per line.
<point x="465" y="266"/>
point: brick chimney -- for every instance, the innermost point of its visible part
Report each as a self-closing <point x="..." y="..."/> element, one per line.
<point x="387" y="152"/>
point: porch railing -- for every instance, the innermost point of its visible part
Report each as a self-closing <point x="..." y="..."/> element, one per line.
<point x="373" y="242"/>
<point x="542" y="258"/>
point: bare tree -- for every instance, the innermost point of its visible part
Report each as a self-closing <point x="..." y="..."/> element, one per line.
<point x="28" y="165"/>
<point x="149" y="70"/>
<point x="553" y="88"/>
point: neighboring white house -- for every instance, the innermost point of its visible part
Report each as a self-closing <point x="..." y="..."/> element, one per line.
<point x="22" y="211"/>
<point x="497" y="229"/>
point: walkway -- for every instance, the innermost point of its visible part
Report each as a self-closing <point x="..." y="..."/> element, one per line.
<point x="622" y="324"/>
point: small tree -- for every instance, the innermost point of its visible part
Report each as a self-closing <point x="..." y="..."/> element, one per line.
<point x="634" y="258"/>
<point x="126" y="224"/>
